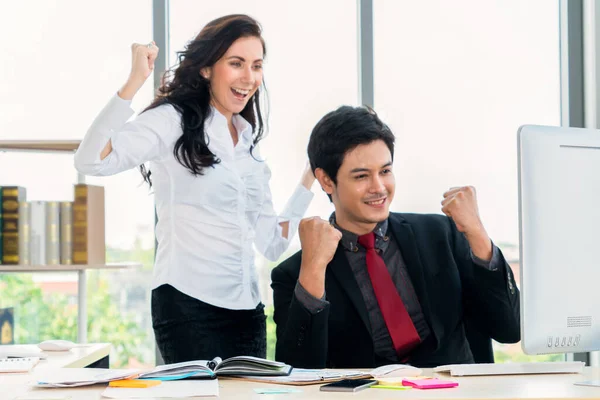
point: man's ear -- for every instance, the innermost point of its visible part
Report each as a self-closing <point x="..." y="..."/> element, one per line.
<point x="325" y="181"/>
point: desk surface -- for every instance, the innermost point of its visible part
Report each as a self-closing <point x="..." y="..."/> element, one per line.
<point x="558" y="386"/>
<point x="16" y="385"/>
<point x="78" y="357"/>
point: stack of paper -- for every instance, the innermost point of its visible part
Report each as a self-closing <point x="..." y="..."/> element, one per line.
<point x="73" y="377"/>
<point x="300" y="376"/>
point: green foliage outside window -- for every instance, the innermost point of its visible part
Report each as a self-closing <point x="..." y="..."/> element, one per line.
<point x="40" y="316"/>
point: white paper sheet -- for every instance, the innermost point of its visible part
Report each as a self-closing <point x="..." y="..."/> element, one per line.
<point x="182" y="388"/>
<point x="73" y="377"/>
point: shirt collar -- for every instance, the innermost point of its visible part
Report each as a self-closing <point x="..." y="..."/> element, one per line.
<point x="350" y="240"/>
<point x="218" y="124"/>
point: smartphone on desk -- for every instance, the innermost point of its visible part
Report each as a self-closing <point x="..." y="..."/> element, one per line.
<point x="348" y="385"/>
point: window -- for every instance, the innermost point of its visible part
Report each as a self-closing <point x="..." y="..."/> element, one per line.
<point x="455" y="81"/>
<point x="61" y="64"/>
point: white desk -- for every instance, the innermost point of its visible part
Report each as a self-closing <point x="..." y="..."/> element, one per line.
<point x="499" y="387"/>
<point x="14" y="385"/>
<point x="79" y="357"/>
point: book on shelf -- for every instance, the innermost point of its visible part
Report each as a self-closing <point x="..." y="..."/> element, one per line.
<point x="89" y="245"/>
<point x="66" y="232"/>
<point x="37" y="232"/>
<point x="11" y="197"/>
<point x="24" y="233"/>
<point x="7" y="325"/>
<point x="1" y="225"/>
<point x="52" y="233"/>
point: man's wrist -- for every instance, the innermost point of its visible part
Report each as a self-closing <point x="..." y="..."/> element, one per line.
<point x="312" y="280"/>
<point x="480" y="243"/>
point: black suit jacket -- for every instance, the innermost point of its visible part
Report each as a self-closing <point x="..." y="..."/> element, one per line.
<point x="449" y="286"/>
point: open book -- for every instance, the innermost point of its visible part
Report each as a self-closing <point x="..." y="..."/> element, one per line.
<point x="241" y="365"/>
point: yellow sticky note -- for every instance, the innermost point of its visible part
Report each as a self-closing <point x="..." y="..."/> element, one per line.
<point x="134" y="383"/>
<point x="390" y="381"/>
<point x="396" y="380"/>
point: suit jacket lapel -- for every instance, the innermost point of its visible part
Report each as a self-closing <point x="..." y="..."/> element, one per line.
<point x="340" y="268"/>
<point x="410" y="252"/>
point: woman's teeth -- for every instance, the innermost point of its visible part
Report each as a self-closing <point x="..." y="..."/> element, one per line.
<point x="241" y="92"/>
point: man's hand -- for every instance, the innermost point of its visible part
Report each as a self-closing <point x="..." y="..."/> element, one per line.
<point x="460" y="204"/>
<point x="319" y="240"/>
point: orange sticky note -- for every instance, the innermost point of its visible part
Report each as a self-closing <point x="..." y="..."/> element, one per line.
<point x="134" y="383"/>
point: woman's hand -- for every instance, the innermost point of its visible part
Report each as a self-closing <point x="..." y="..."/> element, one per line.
<point x="142" y="65"/>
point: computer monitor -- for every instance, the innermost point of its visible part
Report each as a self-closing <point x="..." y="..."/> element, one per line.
<point x="559" y="224"/>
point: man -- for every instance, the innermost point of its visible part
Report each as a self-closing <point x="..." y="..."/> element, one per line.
<point x="370" y="287"/>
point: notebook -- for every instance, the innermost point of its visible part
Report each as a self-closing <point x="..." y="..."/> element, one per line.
<point x="570" y="367"/>
<point x="24" y="364"/>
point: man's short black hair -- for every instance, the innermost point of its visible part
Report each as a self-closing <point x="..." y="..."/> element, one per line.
<point x="341" y="131"/>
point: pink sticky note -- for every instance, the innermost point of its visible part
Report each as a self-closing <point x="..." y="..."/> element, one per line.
<point x="433" y="383"/>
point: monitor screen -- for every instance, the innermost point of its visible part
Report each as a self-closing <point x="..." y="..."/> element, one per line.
<point x="559" y="224"/>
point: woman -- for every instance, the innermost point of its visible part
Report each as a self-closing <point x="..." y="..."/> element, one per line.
<point x="211" y="188"/>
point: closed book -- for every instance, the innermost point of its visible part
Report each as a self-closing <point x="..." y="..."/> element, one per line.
<point x="11" y="197"/>
<point x="24" y="234"/>
<point x="52" y="233"/>
<point x="37" y="237"/>
<point x="7" y="326"/>
<point x="88" y="225"/>
<point x="66" y="232"/>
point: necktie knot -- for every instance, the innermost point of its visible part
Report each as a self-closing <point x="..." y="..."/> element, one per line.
<point x="367" y="241"/>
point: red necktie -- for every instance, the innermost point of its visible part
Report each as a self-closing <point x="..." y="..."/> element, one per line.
<point x="400" y="326"/>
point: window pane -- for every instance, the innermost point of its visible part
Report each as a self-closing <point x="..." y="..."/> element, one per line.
<point x="62" y="63"/>
<point x="308" y="73"/>
<point x="455" y="81"/>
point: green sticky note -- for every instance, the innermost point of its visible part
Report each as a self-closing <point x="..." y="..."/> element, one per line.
<point x="391" y="387"/>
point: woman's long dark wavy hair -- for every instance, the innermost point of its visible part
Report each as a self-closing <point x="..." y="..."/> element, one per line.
<point x="189" y="92"/>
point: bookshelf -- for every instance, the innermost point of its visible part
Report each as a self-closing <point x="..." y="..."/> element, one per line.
<point x="62" y="147"/>
<point x="66" y="267"/>
<point x="48" y="146"/>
